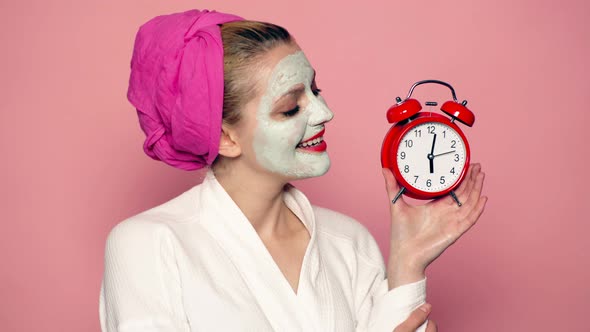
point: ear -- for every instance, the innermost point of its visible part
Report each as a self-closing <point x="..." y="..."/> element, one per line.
<point x="228" y="144"/>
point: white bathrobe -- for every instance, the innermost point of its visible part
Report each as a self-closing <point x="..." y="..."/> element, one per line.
<point x="195" y="263"/>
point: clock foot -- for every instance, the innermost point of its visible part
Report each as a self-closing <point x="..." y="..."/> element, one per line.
<point x="455" y="198"/>
<point x="399" y="193"/>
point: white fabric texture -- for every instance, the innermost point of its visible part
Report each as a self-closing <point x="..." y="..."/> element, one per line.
<point x="195" y="263"/>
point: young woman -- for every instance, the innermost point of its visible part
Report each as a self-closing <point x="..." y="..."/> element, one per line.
<point x="245" y="250"/>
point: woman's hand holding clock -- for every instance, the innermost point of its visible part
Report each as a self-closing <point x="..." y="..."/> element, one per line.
<point x="419" y="234"/>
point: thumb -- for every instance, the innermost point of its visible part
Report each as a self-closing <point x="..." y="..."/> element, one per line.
<point x="415" y="320"/>
<point x="391" y="186"/>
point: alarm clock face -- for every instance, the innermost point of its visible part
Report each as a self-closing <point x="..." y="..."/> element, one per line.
<point x="431" y="156"/>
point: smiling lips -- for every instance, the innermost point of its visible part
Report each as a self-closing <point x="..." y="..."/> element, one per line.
<point x="315" y="143"/>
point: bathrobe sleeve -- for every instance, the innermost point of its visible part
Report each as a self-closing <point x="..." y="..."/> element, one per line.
<point x="141" y="289"/>
<point x="380" y="309"/>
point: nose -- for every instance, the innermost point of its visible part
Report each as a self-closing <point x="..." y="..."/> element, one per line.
<point x="319" y="111"/>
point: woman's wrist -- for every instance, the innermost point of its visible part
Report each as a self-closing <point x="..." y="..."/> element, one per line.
<point x="402" y="272"/>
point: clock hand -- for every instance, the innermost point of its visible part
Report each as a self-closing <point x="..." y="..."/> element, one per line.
<point x="431" y="155"/>
<point x="440" y="154"/>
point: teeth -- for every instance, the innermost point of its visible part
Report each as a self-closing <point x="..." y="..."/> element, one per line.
<point x="311" y="143"/>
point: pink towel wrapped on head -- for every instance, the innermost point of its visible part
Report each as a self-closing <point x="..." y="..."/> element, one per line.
<point x="176" y="85"/>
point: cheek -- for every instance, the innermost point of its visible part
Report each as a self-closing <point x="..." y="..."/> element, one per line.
<point x="283" y="134"/>
<point x="295" y="131"/>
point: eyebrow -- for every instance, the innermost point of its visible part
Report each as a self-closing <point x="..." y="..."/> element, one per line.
<point x="295" y="90"/>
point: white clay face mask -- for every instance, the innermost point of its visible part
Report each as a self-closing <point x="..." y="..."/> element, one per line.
<point x="276" y="140"/>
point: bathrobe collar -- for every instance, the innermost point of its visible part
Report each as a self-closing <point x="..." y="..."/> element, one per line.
<point x="224" y="220"/>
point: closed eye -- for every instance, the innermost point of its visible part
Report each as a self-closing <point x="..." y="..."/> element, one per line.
<point x="292" y="112"/>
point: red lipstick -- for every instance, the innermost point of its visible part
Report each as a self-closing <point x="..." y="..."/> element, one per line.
<point x="320" y="134"/>
<point x="318" y="147"/>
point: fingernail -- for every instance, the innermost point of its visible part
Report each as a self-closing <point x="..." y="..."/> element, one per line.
<point x="425" y="307"/>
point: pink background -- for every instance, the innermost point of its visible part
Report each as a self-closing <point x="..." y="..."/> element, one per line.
<point x="72" y="164"/>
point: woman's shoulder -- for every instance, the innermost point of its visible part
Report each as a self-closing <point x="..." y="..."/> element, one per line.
<point x="342" y="226"/>
<point x="339" y="223"/>
<point x="345" y="234"/>
<point x="158" y="221"/>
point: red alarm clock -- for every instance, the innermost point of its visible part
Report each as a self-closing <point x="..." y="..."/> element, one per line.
<point x="427" y="152"/>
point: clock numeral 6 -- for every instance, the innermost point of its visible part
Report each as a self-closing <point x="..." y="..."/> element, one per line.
<point x="428" y="183"/>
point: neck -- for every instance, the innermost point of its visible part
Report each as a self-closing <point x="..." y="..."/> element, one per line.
<point x="259" y="196"/>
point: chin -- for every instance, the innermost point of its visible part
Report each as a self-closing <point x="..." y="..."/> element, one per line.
<point x="311" y="169"/>
<point x="298" y="166"/>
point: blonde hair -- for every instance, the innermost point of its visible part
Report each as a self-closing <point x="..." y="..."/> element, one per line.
<point x="244" y="43"/>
